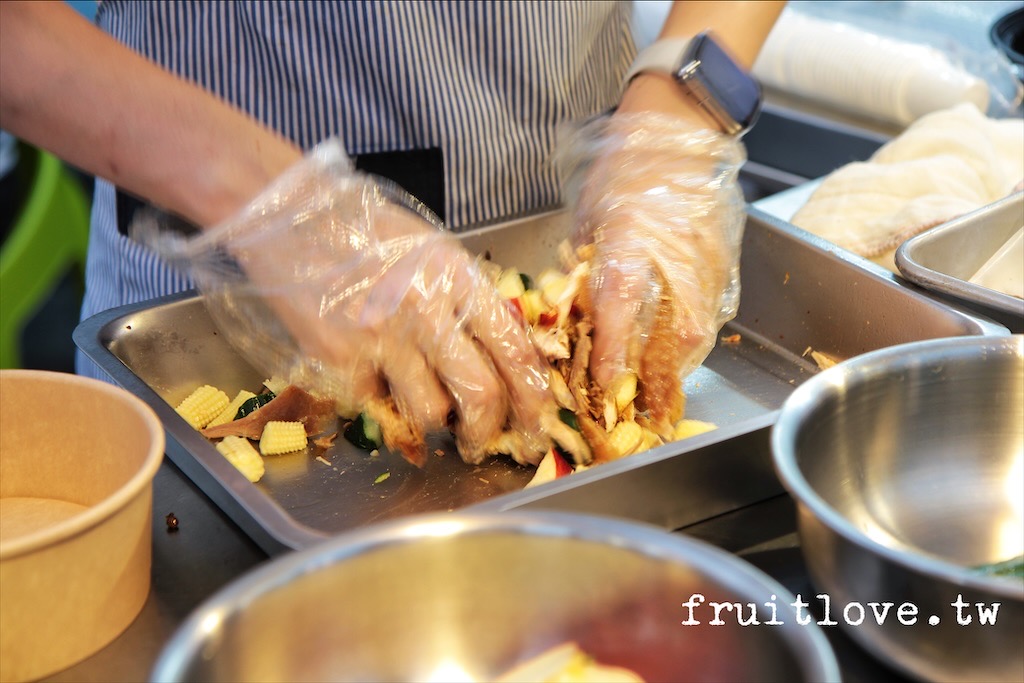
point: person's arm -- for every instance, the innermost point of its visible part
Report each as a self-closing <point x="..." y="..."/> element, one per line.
<point x="742" y="27"/>
<point x="395" y="315"/>
<point x="69" y="88"/>
<point x="663" y="208"/>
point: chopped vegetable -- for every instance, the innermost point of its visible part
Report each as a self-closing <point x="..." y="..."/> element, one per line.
<point x="381" y="478"/>
<point x="240" y="453"/>
<point x="282" y="437"/>
<point x="651" y="440"/>
<point x="364" y="432"/>
<point x="228" y="414"/>
<point x="687" y="428"/>
<point x="202" y="405"/>
<point x="626" y="438"/>
<point x="254" y="403"/>
<point x="276" y="384"/>
<point x="551" y="467"/>
<point x="511" y="284"/>
<point x="552" y="285"/>
<point x="593" y="425"/>
<point x="533" y="304"/>
<point x="569" y="418"/>
<point x="1012" y="568"/>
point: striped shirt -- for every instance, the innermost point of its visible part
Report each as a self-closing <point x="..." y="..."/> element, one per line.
<point x="487" y="83"/>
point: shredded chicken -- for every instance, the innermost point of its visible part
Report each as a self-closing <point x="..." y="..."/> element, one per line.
<point x="399" y="434"/>
<point x="658" y="401"/>
<point x="660" y="391"/>
<point x="649" y="405"/>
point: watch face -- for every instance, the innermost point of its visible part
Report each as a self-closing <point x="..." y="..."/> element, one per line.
<point x="730" y="94"/>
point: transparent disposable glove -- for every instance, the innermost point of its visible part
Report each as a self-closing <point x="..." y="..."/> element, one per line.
<point x="345" y="285"/>
<point x="658" y="202"/>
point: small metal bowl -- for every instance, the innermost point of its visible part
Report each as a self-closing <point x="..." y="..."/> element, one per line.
<point x="461" y="596"/>
<point x="907" y="466"/>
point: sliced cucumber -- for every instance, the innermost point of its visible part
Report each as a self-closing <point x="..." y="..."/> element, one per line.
<point x="569" y="418"/>
<point x="254" y="403"/>
<point x="1009" y="568"/>
<point x="364" y="432"/>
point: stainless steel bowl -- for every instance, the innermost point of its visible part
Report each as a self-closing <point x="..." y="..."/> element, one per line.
<point x="462" y="596"/>
<point x="907" y="466"/>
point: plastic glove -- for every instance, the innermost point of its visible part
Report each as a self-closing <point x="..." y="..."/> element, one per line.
<point x="660" y="204"/>
<point x="345" y="285"/>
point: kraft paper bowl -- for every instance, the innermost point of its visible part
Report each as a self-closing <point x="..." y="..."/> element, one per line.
<point x="77" y="461"/>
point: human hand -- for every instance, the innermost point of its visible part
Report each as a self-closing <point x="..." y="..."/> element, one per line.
<point x="658" y="202"/>
<point x="349" y="288"/>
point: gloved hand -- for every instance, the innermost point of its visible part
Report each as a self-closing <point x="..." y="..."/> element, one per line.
<point x="658" y="201"/>
<point x="348" y="287"/>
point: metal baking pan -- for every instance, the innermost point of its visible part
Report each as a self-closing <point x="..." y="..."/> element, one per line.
<point x="945" y="258"/>
<point x="798" y="294"/>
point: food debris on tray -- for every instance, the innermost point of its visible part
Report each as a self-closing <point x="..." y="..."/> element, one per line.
<point x="643" y="410"/>
<point x="823" y="361"/>
<point x="280" y="423"/>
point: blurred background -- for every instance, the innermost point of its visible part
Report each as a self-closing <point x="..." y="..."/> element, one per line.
<point x="44" y="224"/>
<point x="44" y="204"/>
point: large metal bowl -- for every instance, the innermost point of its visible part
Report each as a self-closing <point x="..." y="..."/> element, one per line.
<point x="450" y="597"/>
<point x="907" y="466"/>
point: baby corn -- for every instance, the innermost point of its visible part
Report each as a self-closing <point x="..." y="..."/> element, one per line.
<point x="240" y="453"/>
<point x="282" y="437"/>
<point x="202" y="405"/>
<point x="228" y="414"/>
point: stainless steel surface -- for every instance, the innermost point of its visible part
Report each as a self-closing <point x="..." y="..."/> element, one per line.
<point x="792" y="147"/>
<point x="907" y="465"/>
<point x="435" y="596"/>
<point x="764" y="534"/>
<point x="797" y="294"/>
<point x="945" y="258"/>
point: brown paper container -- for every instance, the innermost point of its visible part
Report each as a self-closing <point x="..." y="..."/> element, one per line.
<point x="77" y="461"/>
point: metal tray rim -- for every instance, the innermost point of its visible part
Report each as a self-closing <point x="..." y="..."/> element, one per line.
<point x="273" y="528"/>
<point x="908" y="263"/>
<point x="266" y="521"/>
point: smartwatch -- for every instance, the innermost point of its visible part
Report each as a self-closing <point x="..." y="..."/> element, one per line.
<point x="708" y="75"/>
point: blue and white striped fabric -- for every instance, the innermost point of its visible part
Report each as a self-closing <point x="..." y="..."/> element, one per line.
<point x="486" y="82"/>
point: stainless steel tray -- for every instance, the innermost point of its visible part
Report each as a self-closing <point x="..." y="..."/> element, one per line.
<point x="944" y="258"/>
<point x="799" y="293"/>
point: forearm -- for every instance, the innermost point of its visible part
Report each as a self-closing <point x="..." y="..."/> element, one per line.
<point x="71" y="89"/>
<point x="742" y="27"/>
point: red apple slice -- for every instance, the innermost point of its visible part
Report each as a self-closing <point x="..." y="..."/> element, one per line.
<point x="550" y="468"/>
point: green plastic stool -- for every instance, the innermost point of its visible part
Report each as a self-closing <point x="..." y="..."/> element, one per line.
<point x="48" y="239"/>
